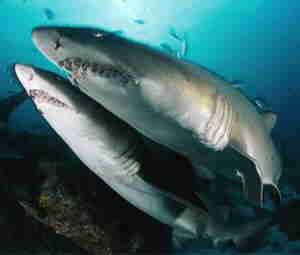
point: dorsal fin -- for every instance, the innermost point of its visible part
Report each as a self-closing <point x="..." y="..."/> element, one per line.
<point x="270" y="119"/>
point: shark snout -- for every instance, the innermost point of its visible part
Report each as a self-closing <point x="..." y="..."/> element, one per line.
<point x="47" y="40"/>
<point x="25" y="74"/>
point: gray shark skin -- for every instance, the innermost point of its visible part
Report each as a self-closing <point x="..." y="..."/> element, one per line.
<point x="175" y="103"/>
<point x="111" y="149"/>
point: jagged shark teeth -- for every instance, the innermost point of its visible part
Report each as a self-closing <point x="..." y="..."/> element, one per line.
<point x="80" y="69"/>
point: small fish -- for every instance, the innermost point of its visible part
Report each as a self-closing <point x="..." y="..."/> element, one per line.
<point x="183" y="43"/>
<point x="49" y="14"/>
<point x="139" y="21"/>
<point x="174" y="34"/>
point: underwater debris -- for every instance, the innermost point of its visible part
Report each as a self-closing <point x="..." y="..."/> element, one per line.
<point x="89" y="216"/>
<point x="67" y="214"/>
<point x="21" y="234"/>
<point x="70" y="217"/>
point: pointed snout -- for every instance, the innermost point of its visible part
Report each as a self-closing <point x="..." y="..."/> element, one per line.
<point x="25" y="74"/>
<point x="47" y="40"/>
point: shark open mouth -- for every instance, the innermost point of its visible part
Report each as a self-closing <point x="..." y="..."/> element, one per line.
<point x="41" y="96"/>
<point x="80" y="69"/>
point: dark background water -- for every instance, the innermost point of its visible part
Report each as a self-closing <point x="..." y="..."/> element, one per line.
<point x="256" y="42"/>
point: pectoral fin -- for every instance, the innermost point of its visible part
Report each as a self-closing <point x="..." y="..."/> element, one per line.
<point x="252" y="186"/>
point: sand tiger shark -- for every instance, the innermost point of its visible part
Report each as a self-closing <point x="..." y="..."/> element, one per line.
<point x="114" y="152"/>
<point x="176" y="103"/>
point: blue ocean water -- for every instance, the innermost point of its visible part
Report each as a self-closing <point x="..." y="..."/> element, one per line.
<point x="256" y="42"/>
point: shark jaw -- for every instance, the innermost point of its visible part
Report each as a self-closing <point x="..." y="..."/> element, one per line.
<point x="38" y="90"/>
